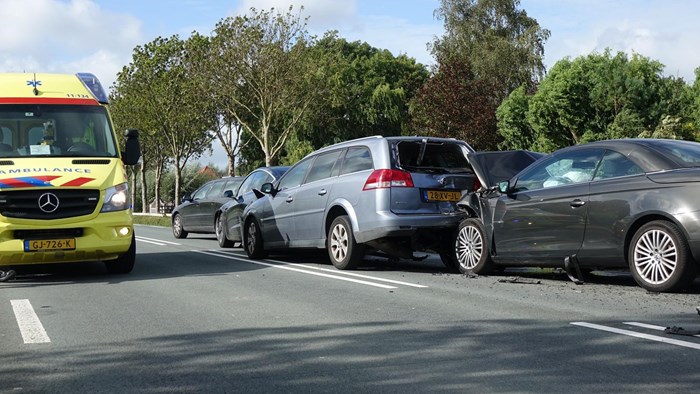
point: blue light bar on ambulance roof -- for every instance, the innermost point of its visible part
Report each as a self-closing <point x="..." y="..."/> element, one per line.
<point x="93" y="84"/>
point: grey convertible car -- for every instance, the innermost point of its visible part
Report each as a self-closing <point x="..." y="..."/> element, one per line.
<point x="608" y="204"/>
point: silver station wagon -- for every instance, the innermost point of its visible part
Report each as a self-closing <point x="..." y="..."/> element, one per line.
<point x="394" y="195"/>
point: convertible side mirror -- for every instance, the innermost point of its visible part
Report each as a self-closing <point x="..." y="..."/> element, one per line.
<point x="504" y="187"/>
<point x="267" y="188"/>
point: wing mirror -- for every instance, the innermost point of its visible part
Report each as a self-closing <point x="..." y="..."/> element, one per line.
<point x="504" y="187"/>
<point x="228" y="194"/>
<point x="186" y="198"/>
<point x="132" y="154"/>
<point x="267" y="188"/>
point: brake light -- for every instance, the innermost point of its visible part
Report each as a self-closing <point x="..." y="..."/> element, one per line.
<point x="380" y="179"/>
<point x="477" y="184"/>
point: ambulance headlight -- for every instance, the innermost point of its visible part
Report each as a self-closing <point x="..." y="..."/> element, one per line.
<point x="116" y="198"/>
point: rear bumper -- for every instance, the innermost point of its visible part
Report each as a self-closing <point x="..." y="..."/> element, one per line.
<point x="104" y="237"/>
<point x="388" y="224"/>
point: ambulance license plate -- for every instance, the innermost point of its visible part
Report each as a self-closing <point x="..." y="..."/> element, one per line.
<point x="442" y="195"/>
<point x="46" y="245"/>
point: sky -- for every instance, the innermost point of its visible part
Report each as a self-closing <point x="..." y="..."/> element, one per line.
<point x="98" y="36"/>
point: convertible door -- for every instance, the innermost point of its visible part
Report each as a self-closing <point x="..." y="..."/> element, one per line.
<point x="543" y="225"/>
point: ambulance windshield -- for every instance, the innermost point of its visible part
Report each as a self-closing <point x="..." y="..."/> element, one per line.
<point x="55" y="130"/>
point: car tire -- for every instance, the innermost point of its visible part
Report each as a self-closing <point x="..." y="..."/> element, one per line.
<point x="447" y="253"/>
<point x="220" y="230"/>
<point x="252" y="241"/>
<point x="344" y="252"/>
<point x="178" y="231"/>
<point x="472" y="254"/>
<point x="125" y="262"/>
<point x="659" y="258"/>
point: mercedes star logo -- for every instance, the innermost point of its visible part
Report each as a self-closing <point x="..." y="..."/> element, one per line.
<point x="48" y="202"/>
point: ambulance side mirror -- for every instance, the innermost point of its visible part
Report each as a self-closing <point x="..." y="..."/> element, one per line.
<point x="133" y="149"/>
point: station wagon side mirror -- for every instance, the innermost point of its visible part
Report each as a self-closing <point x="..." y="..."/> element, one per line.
<point x="228" y="194"/>
<point x="504" y="187"/>
<point x="268" y="188"/>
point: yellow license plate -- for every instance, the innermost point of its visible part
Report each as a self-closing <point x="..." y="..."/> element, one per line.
<point x="44" y="245"/>
<point x="440" y="195"/>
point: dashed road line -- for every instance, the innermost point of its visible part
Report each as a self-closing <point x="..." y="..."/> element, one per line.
<point x="635" y="334"/>
<point x="29" y="325"/>
<point x="286" y="267"/>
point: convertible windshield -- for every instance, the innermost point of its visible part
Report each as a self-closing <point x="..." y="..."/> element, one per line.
<point x="55" y="130"/>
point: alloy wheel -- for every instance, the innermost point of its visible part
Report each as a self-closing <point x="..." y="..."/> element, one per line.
<point x="469" y="247"/>
<point x="339" y="242"/>
<point x="655" y="256"/>
<point x="250" y="240"/>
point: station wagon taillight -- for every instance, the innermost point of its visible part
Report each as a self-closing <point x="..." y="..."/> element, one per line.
<point x="380" y="179"/>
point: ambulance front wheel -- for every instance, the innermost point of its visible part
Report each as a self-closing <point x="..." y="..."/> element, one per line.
<point x="125" y="262"/>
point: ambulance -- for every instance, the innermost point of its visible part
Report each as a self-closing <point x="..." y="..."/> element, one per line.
<point x="64" y="195"/>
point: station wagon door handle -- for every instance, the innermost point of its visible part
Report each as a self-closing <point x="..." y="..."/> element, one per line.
<point x="322" y="192"/>
<point x="289" y="199"/>
<point x="577" y="203"/>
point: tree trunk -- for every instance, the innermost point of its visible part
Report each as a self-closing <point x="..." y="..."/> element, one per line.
<point x="158" y="174"/>
<point x="231" y="166"/>
<point x="144" y="188"/>
<point x="178" y="176"/>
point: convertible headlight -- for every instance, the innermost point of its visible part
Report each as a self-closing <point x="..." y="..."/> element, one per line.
<point x="116" y="198"/>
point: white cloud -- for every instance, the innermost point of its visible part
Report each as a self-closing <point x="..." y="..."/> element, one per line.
<point x="48" y="35"/>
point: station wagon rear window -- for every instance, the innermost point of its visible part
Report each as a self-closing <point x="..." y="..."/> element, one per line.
<point x="416" y="155"/>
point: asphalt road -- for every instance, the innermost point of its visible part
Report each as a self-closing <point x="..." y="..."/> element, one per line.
<point x="192" y="317"/>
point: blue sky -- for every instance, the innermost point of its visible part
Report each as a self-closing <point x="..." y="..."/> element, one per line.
<point x="98" y="36"/>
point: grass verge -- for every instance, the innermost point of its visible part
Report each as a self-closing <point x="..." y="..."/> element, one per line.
<point x="163" y="221"/>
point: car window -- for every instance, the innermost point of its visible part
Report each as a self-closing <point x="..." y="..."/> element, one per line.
<point x="431" y="154"/>
<point x="202" y="191"/>
<point x="322" y="167"/>
<point x="247" y="184"/>
<point x="615" y="164"/>
<point x="563" y="169"/>
<point x="217" y="190"/>
<point x="232" y="185"/>
<point x="357" y="159"/>
<point x="295" y="175"/>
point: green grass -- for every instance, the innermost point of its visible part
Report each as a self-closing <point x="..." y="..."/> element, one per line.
<point x="163" y="221"/>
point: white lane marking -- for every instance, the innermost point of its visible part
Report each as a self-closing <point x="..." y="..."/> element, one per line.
<point x="649" y="326"/>
<point x="639" y="335"/>
<point x="149" y="242"/>
<point x="28" y="322"/>
<point x="296" y="269"/>
<point x="396" y="282"/>
<point x="156" y="240"/>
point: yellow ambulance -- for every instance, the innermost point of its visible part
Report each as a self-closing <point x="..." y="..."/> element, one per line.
<point x="64" y="195"/>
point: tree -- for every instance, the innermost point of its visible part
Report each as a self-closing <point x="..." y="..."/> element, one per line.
<point x="362" y="91"/>
<point x="259" y="72"/>
<point x="161" y="76"/>
<point x="595" y="97"/>
<point x="500" y="41"/>
<point x="453" y="103"/>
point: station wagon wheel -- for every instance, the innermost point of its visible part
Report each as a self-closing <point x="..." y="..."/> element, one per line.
<point x="178" y="231"/>
<point x="343" y="251"/>
<point x="221" y="232"/>
<point x="253" y="241"/>
<point x="472" y="249"/>
<point x="659" y="257"/>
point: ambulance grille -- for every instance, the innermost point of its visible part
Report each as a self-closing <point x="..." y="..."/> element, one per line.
<point x="91" y="161"/>
<point x="24" y="204"/>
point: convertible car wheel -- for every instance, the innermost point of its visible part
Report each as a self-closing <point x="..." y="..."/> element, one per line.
<point x="472" y="249"/>
<point x="659" y="258"/>
<point x="253" y="240"/>
<point x="221" y="232"/>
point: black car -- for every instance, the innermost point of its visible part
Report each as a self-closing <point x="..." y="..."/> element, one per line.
<point x="196" y="212"/>
<point x="228" y="216"/>
<point x="607" y="204"/>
